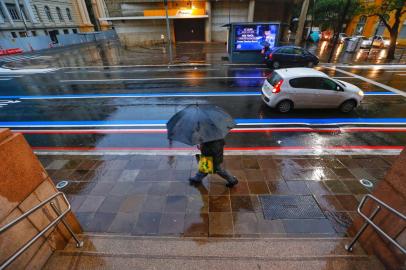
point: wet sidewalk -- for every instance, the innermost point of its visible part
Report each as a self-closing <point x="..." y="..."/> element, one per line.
<point x="276" y="196"/>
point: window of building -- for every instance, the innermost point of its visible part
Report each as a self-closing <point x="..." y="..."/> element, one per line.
<point x="402" y="33"/>
<point x="68" y="14"/>
<point x="58" y="11"/>
<point x="23" y="34"/>
<point x="359" y="29"/>
<point x="34" y="33"/>
<point x="75" y="31"/>
<point x="12" y="10"/>
<point x="48" y="13"/>
<point x="65" y="31"/>
<point x="2" y="13"/>
<point x="38" y="14"/>
<point x="13" y="34"/>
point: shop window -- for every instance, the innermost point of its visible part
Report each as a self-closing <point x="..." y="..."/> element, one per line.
<point x="75" y="31"/>
<point x="34" y="33"/>
<point x="13" y="34"/>
<point x="23" y="34"/>
<point x="66" y="31"/>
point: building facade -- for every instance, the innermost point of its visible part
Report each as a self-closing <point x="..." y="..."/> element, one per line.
<point x="144" y="21"/>
<point x="29" y="18"/>
<point x="368" y="26"/>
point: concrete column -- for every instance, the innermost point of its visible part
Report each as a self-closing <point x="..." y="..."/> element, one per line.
<point x="207" y="28"/>
<point x="5" y="11"/>
<point x="251" y="10"/>
<point x="28" y="8"/>
<point x="302" y="20"/>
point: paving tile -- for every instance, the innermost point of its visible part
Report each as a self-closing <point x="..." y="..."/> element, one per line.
<point x="240" y="174"/>
<point x="100" y="222"/>
<point x="147" y="224"/>
<point x="317" y="188"/>
<point x="172" y="224"/>
<point x="372" y="162"/>
<point x="111" y="204"/>
<point x="233" y="162"/>
<point x="250" y="163"/>
<point x="196" y="225"/>
<point x="103" y="175"/>
<point x="256" y="204"/>
<point x="154" y="203"/>
<point x="73" y="164"/>
<point x="175" y="204"/>
<point x="181" y="175"/>
<point x="329" y="202"/>
<point x="178" y="188"/>
<point x="159" y="188"/>
<point x="219" y="204"/>
<point x="258" y="187"/>
<point x="184" y="163"/>
<point x="349" y="202"/>
<point x="253" y="175"/>
<point x="91" y="203"/>
<point x="197" y="204"/>
<point x="336" y="187"/>
<point x="88" y="165"/>
<point x="78" y="175"/>
<point x="298" y="187"/>
<point x="245" y="224"/>
<point x="128" y="176"/>
<point x="76" y="201"/>
<point x="241" y="204"/>
<point x="102" y="188"/>
<point x="355" y="187"/>
<point x="121" y="189"/>
<point x="344" y="174"/>
<point x="218" y="188"/>
<point x="293" y="173"/>
<point x="57" y="164"/>
<point x="220" y="224"/>
<point x="134" y="164"/>
<point x="141" y="188"/>
<point x="122" y="223"/>
<point x="59" y="175"/>
<point x="269" y="226"/>
<point x="268" y="163"/>
<point x="132" y="204"/>
<point x="278" y="187"/>
<point x="78" y="187"/>
<point x="340" y="221"/>
<point x="85" y="219"/>
<point x="273" y="175"/>
<point x="240" y="189"/>
<point x="308" y="226"/>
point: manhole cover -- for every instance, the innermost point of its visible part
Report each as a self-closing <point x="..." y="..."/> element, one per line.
<point x="62" y="184"/>
<point x="290" y="207"/>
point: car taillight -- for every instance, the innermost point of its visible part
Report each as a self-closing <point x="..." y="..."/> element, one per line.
<point x="277" y="88"/>
<point x="270" y="56"/>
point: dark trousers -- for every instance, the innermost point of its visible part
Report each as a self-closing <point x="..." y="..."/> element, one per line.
<point x="220" y="171"/>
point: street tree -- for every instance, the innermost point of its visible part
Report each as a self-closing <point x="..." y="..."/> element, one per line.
<point x="329" y="13"/>
<point x="383" y="12"/>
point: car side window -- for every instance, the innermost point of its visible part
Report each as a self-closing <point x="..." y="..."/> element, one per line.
<point x="298" y="51"/>
<point x="305" y="82"/>
<point x="326" y="84"/>
<point x="284" y="50"/>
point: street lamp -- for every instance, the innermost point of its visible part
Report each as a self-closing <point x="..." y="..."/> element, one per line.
<point x="168" y="32"/>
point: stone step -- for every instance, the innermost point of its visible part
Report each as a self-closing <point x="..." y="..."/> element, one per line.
<point x="138" y="252"/>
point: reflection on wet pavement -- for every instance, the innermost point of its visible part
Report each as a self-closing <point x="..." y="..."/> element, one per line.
<point x="150" y="195"/>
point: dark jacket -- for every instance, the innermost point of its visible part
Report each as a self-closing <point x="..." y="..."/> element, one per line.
<point x="214" y="149"/>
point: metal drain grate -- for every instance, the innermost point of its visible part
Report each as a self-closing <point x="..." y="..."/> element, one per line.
<point x="290" y="207"/>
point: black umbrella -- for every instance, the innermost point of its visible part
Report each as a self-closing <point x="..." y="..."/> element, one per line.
<point x="198" y="124"/>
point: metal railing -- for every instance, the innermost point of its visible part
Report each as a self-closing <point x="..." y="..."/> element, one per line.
<point x="59" y="217"/>
<point x="368" y="221"/>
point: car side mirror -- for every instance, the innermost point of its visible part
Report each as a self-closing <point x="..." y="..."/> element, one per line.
<point x="339" y="88"/>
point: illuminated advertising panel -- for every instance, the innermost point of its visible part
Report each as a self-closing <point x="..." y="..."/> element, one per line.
<point x="255" y="36"/>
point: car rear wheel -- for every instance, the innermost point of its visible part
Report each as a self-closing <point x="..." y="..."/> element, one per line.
<point x="276" y="65"/>
<point x="285" y="106"/>
<point x="348" y="106"/>
<point x="310" y="64"/>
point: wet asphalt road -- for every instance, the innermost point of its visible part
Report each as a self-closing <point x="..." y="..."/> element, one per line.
<point x="106" y="99"/>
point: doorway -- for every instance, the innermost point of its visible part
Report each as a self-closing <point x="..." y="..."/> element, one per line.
<point x="53" y="35"/>
<point x="187" y="30"/>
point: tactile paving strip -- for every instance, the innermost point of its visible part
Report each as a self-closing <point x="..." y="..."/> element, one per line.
<point x="290" y="207"/>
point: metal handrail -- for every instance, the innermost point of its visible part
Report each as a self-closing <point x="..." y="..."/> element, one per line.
<point x="43" y="231"/>
<point x="368" y="221"/>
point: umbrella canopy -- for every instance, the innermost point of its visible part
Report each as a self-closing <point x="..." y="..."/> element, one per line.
<point x="198" y="124"/>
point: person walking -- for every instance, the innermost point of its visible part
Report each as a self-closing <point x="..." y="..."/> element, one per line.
<point x="214" y="149"/>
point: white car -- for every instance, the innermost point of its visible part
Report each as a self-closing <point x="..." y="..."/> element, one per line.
<point x="302" y="88"/>
<point x="379" y="41"/>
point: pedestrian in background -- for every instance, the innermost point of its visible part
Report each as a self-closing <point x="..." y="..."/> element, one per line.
<point x="215" y="150"/>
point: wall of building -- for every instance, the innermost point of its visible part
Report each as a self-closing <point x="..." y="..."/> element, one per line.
<point x="224" y="13"/>
<point x="371" y="25"/>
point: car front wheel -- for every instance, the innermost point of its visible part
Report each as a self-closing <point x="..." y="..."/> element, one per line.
<point x="276" y="65"/>
<point x="285" y="106"/>
<point x="348" y="106"/>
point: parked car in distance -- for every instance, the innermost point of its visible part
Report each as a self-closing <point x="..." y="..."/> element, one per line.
<point x="378" y="41"/>
<point x="342" y="37"/>
<point x="290" y="56"/>
<point x="302" y="88"/>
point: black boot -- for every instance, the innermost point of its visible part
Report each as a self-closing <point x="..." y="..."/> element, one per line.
<point x="230" y="184"/>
